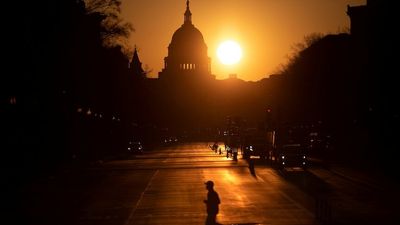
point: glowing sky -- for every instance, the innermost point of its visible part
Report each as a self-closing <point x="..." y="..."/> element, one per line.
<point x="265" y="29"/>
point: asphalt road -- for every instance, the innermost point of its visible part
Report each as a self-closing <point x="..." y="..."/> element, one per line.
<point x="166" y="186"/>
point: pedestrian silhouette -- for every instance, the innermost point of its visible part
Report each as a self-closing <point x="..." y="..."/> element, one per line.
<point x="228" y="149"/>
<point x="212" y="203"/>
<point x="251" y="167"/>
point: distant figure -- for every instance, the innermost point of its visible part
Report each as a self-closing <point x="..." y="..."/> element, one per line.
<point x="215" y="147"/>
<point x="212" y="203"/>
<point x="235" y="153"/>
<point x="251" y="167"/>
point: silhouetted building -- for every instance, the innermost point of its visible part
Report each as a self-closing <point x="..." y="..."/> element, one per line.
<point x="358" y="20"/>
<point x="135" y="67"/>
<point x="186" y="96"/>
<point x="187" y="53"/>
<point x="233" y="76"/>
<point x="370" y="22"/>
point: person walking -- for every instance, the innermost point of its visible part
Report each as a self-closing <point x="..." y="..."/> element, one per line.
<point x="212" y="203"/>
<point x="251" y="167"/>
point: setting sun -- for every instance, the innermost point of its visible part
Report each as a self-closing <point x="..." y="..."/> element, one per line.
<point x="229" y="52"/>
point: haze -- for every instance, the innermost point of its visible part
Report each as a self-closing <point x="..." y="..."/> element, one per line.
<point x="265" y="29"/>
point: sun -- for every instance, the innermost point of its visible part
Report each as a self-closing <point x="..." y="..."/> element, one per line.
<point x="229" y="52"/>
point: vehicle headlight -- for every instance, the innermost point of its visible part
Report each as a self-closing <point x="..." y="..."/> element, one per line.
<point x="304" y="157"/>
<point x="129" y="149"/>
<point x="283" y="157"/>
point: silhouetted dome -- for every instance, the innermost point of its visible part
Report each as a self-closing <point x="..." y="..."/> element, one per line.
<point x="187" y="52"/>
<point x="187" y="35"/>
<point x="187" y="42"/>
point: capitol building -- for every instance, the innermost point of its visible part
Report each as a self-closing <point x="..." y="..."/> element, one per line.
<point x="187" y="53"/>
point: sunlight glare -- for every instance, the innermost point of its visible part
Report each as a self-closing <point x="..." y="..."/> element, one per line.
<point x="229" y="52"/>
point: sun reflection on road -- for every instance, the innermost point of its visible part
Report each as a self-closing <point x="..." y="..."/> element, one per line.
<point x="229" y="177"/>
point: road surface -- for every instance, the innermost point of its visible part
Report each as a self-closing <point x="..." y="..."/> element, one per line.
<point x="166" y="186"/>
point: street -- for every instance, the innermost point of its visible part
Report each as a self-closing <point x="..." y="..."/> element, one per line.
<point x="166" y="186"/>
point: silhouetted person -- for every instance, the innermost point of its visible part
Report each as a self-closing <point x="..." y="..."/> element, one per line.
<point x="212" y="203"/>
<point x="215" y="147"/>
<point x="251" y="167"/>
<point x="235" y="153"/>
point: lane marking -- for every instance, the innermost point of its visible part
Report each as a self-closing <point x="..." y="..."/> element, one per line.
<point x="128" y="221"/>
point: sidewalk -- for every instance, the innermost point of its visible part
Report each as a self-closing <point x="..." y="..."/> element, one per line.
<point x="360" y="193"/>
<point x="361" y="173"/>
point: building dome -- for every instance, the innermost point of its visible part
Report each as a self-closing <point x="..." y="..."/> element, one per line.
<point x="187" y="52"/>
<point x="187" y="34"/>
<point x="187" y="42"/>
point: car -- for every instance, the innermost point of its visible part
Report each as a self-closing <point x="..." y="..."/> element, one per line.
<point x="292" y="155"/>
<point x="135" y="147"/>
<point x="256" y="146"/>
<point x="169" y="140"/>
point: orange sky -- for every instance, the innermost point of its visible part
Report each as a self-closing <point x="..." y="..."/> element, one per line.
<point x="265" y="29"/>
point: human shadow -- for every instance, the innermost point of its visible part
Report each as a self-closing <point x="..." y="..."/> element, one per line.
<point x="212" y="203"/>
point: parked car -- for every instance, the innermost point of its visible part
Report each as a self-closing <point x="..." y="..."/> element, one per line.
<point x="170" y="140"/>
<point x="135" y="147"/>
<point x="291" y="155"/>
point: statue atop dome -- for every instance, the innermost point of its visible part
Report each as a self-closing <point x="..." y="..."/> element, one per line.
<point x="188" y="14"/>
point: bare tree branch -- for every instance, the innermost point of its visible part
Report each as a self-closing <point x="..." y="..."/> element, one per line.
<point x="115" y="30"/>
